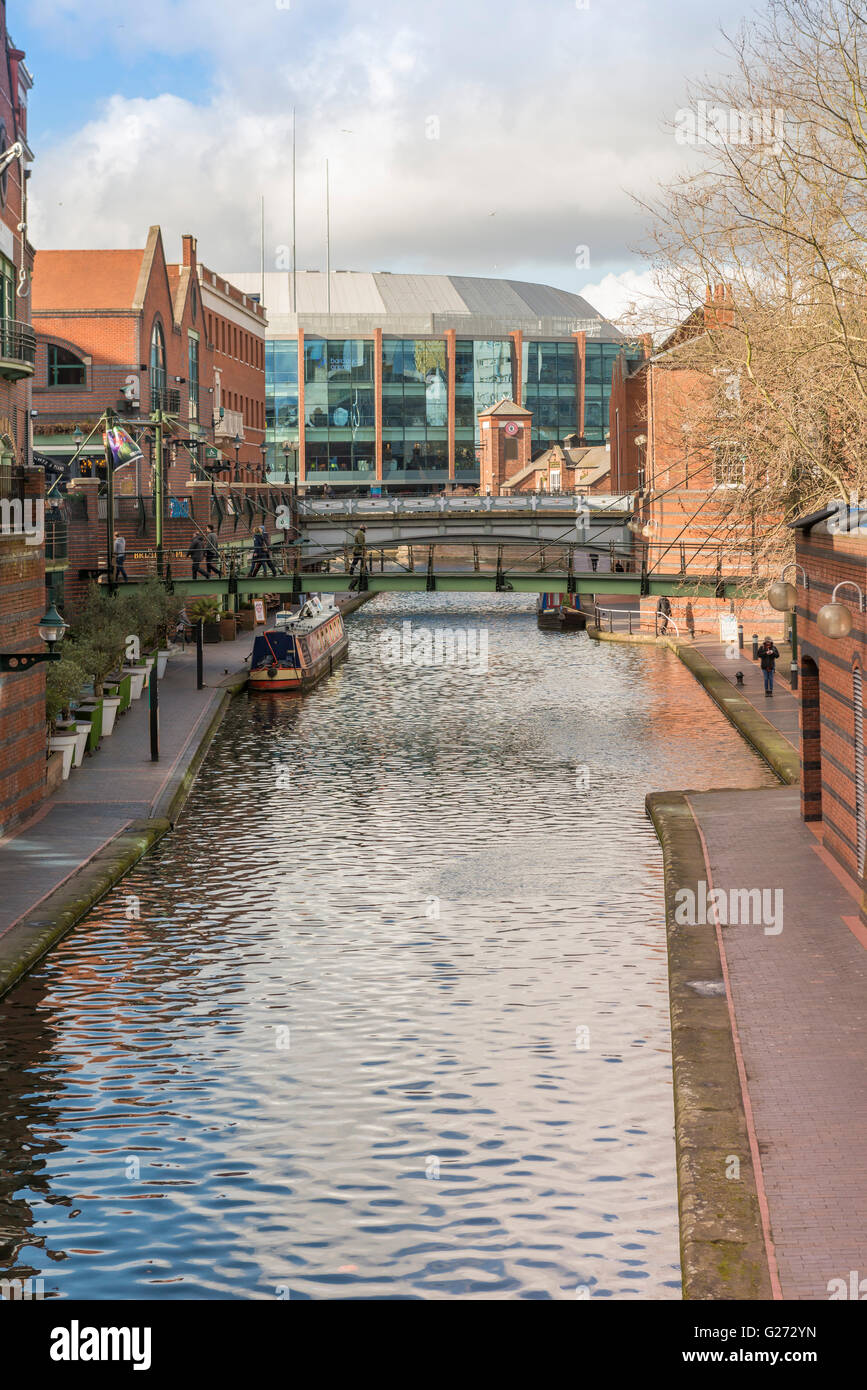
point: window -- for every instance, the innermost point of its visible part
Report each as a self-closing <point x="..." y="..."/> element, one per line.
<point x="193" y="394"/>
<point x="64" y="368"/>
<point x="729" y="463"/>
<point x="158" y="357"/>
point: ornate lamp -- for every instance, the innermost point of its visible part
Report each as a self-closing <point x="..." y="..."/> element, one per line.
<point x="835" y="619"/>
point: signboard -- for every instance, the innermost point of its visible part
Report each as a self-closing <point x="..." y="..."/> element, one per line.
<point x="728" y="627"/>
<point x="259" y="609"/>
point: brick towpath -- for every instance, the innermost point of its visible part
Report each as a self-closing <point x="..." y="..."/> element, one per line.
<point x="800" y="1007"/>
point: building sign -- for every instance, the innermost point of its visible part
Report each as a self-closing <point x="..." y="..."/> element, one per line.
<point x="179" y="506"/>
<point x="728" y="627"/>
<point x="259" y="609"/>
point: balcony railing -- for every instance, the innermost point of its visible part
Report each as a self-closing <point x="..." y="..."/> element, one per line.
<point x="17" y="349"/>
<point x="164" y="399"/>
<point x="56" y="539"/>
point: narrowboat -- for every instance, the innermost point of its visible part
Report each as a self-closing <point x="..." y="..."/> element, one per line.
<point x="299" y="650"/>
<point x="558" y="611"/>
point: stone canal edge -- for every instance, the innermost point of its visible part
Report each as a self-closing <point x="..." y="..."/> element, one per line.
<point x="723" y="1240"/>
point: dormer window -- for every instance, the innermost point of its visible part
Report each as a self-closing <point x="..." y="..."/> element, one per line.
<point x="64" y="368"/>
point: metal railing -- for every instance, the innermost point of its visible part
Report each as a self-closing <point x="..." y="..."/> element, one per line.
<point x="166" y="400"/>
<point x="17" y="342"/>
<point x="407" y="506"/>
<point x="632" y="621"/>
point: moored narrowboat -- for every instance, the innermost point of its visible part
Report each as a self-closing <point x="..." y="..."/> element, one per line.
<point x="299" y="650"/>
<point x="560" y="611"/>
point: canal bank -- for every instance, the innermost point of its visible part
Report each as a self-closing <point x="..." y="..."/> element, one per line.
<point x="768" y="1016"/>
<point x="116" y="807"/>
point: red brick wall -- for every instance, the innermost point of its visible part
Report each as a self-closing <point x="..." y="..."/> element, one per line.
<point x="828" y="560"/>
<point x="22" y="696"/>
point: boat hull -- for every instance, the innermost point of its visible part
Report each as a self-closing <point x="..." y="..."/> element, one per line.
<point x="561" y="617"/>
<point x="294" y="679"/>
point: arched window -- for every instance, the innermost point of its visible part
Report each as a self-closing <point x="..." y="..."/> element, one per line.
<point x="158" y="360"/>
<point x="64" y="367"/>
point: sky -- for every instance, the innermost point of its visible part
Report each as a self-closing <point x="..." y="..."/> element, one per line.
<point x="467" y="137"/>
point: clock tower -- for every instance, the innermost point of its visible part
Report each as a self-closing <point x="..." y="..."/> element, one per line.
<point x="506" y="446"/>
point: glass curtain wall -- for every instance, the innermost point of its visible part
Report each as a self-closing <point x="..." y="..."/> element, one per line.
<point x="281" y="406"/>
<point x="340" y="441"/>
<point x="599" y="365"/>
<point x="414" y="410"/>
<point x="550" y="381"/>
<point x="483" y="376"/>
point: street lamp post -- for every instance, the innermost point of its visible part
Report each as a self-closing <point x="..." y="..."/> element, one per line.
<point x="52" y="629"/>
<point x="237" y="442"/>
<point x="263" y="450"/>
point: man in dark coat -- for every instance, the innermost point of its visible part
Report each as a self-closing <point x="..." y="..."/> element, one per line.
<point x="196" y="550"/>
<point x="768" y="657"/>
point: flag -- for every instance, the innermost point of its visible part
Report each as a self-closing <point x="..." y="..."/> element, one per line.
<point x="122" y="446"/>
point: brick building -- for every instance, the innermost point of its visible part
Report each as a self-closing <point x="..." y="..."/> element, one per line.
<point x="673" y="440"/>
<point x="128" y="331"/>
<point x="22" y="565"/>
<point x="833" y="676"/>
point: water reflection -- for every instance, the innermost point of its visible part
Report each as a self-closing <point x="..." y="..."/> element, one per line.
<point x="387" y="1015"/>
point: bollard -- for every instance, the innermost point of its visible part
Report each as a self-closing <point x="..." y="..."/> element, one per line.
<point x="793" y="669"/>
<point x="755" y="646"/>
<point x="740" y="637"/>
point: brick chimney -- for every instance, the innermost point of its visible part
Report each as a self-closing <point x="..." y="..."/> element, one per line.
<point x="189" y="244"/>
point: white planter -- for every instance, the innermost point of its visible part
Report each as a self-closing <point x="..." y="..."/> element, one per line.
<point x="81" y="733"/>
<point x="162" y="659"/>
<point x="136" y="685"/>
<point x="110" y="707"/>
<point x="65" y="744"/>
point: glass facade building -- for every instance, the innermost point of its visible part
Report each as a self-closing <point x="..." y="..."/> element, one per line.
<point x="381" y="384"/>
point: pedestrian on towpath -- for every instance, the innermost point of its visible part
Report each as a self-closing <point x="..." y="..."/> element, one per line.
<point x="120" y="558"/>
<point x="663" y="613"/>
<point x="768" y="657"/>
<point x="196" y="550"/>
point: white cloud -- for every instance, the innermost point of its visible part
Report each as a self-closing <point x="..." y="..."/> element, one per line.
<point x="543" y="121"/>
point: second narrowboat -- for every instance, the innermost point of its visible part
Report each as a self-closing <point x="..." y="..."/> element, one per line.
<point x="560" y="611"/>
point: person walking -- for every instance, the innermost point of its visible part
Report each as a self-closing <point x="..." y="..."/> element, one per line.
<point x="594" y="560"/>
<point x="359" y="542"/>
<point x="196" y="550"/>
<point x="120" y="558"/>
<point x="768" y="658"/>
<point x="261" y="553"/>
<point x="212" y="553"/>
<point x="663" y="613"/>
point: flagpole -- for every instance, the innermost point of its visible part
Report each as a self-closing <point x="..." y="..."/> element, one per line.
<point x="294" y="261"/>
<point x="328" y="234"/>
<point x="109" y="501"/>
<point x="263" y="250"/>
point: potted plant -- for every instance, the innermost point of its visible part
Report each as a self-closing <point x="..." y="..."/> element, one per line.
<point x="228" y="626"/>
<point x="206" y="611"/>
<point x="98" y="644"/>
<point x="63" y="682"/>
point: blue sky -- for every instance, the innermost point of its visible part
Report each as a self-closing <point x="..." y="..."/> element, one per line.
<point x="484" y="138"/>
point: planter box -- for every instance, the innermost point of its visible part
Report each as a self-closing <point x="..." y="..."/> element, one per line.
<point x="63" y="744"/>
<point x="246" y="619"/>
<point x="92" y="711"/>
<point x="137" y="676"/>
<point x="81" y="731"/>
<point x="122" y="689"/>
<point x="228" y="629"/>
<point x="110" y="707"/>
<point x="211" y="632"/>
<point x="53" y="772"/>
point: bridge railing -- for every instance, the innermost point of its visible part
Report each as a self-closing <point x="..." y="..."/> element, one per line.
<point x="632" y="621"/>
<point x="410" y="506"/>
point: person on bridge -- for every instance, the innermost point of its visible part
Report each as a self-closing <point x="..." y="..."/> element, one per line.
<point x="768" y="658"/>
<point x="120" y="558"/>
<point x="594" y="560"/>
<point x="212" y="552"/>
<point x="196" y="550"/>
<point x="261" y="553"/>
<point x="359" y="542"/>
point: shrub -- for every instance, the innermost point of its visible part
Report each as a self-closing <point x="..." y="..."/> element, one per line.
<point x="63" y="684"/>
<point x="205" y="610"/>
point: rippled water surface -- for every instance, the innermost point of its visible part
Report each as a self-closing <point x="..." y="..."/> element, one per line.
<point x="386" y="1016"/>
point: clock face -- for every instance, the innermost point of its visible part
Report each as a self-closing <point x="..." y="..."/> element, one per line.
<point x="511" y="427"/>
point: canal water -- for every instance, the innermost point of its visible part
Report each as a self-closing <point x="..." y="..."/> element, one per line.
<point x="386" y="1016"/>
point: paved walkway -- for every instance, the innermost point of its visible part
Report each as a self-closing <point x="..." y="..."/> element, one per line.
<point x="119" y="784"/>
<point x="800" y="1006"/>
